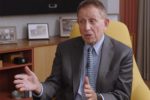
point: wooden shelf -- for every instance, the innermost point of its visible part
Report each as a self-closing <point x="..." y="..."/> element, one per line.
<point x="25" y="43"/>
<point x="6" y="95"/>
<point x="11" y="65"/>
<point x="9" y="70"/>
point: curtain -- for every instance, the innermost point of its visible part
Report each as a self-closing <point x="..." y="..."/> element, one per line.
<point x="143" y="38"/>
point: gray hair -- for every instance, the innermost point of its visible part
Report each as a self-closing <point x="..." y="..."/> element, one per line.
<point x="96" y="3"/>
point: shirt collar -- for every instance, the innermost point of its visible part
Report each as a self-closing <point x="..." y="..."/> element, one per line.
<point x="96" y="46"/>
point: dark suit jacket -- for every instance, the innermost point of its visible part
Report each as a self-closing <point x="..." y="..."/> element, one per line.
<point x="114" y="79"/>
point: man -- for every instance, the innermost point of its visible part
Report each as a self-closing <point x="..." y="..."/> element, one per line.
<point x="69" y="79"/>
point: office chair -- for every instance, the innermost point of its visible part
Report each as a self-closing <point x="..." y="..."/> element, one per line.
<point x="119" y="31"/>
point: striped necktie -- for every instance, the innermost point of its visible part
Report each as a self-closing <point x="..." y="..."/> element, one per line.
<point x="90" y="70"/>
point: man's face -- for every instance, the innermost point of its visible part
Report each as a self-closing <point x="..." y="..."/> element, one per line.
<point x="91" y="25"/>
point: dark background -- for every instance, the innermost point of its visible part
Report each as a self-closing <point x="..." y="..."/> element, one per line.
<point x="24" y="7"/>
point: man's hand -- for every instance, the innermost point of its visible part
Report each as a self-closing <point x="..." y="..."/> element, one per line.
<point x="28" y="82"/>
<point x="89" y="92"/>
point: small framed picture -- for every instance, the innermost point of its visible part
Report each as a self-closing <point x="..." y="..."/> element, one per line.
<point x="8" y="34"/>
<point x="66" y="25"/>
<point x="38" y="31"/>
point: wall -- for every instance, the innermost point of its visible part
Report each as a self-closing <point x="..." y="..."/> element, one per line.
<point x="20" y="21"/>
<point x="128" y="15"/>
<point x="112" y="6"/>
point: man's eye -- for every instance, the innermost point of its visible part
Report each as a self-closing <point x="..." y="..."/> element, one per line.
<point x="92" y="20"/>
<point x="81" y="21"/>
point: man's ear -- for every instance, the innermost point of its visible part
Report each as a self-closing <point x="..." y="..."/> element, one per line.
<point x="106" y="23"/>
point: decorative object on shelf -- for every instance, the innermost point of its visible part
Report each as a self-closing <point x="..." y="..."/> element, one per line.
<point x="20" y="60"/>
<point x="1" y="64"/>
<point x="10" y="57"/>
<point x="16" y="94"/>
<point x="26" y="94"/>
<point x="38" y="31"/>
<point x="30" y="93"/>
<point x="8" y="34"/>
<point x="66" y="25"/>
<point x="9" y="70"/>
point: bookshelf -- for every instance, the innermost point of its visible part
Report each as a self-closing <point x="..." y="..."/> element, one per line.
<point x="9" y="70"/>
<point x="32" y="49"/>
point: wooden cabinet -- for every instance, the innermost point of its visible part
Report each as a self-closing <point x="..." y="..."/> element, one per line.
<point x="43" y="60"/>
<point x="9" y="70"/>
<point x="40" y="54"/>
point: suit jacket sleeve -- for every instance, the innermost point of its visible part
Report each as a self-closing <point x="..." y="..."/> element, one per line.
<point x="122" y="90"/>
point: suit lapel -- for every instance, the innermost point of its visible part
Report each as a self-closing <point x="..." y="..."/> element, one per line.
<point x="76" y="62"/>
<point x="106" y="57"/>
<point x="77" y="58"/>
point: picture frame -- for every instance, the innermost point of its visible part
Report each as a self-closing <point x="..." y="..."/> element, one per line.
<point x="8" y="34"/>
<point x="66" y="25"/>
<point x="38" y="31"/>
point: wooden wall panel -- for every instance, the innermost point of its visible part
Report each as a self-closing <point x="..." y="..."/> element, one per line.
<point x="128" y="15"/>
<point x="43" y="60"/>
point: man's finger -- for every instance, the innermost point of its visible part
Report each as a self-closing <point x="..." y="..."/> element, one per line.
<point x="87" y="91"/>
<point x="28" y="71"/>
<point x="86" y="81"/>
<point x="19" y="85"/>
<point x="18" y="81"/>
<point x="21" y="77"/>
<point x="88" y="95"/>
<point x="23" y="89"/>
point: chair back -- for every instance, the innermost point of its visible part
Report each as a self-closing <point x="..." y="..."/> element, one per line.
<point x="119" y="31"/>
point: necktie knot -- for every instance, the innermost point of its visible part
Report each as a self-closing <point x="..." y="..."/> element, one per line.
<point x="90" y="49"/>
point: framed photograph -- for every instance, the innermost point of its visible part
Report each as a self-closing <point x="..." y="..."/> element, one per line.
<point x="8" y="34"/>
<point x="66" y="25"/>
<point x="38" y="31"/>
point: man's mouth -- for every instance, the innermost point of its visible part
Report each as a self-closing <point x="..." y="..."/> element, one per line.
<point x="88" y="35"/>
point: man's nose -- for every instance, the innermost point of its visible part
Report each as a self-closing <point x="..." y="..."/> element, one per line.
<point x="87" y="26"/>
